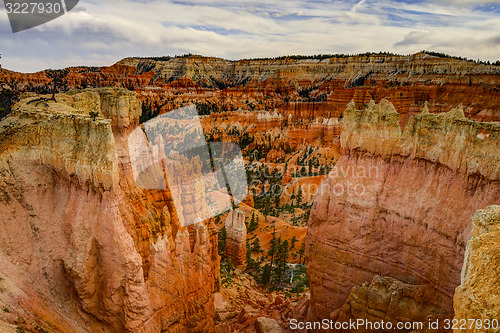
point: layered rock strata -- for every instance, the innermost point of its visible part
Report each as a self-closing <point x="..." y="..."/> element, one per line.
<point x="399" y="202"/>
<point x="304" y="88"/>
<point x="477" y="299"/>
<point x="236" y="241"/>
<point x="274" y="133"/>
<point x="84" y="248"/>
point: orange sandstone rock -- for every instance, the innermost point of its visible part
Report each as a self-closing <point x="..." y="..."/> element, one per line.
<point x="87" y="250"/>
<point x="236" y="241"/>
<point x="477" y="298"/>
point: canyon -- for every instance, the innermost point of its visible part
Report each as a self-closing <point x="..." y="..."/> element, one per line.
<point x="385" y="166"/>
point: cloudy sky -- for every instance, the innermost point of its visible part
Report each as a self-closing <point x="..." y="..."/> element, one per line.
<point x="103" y="32"/>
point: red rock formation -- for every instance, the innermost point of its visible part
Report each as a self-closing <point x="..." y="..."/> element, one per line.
<point x="236" y="241"/>
<point x="398" y="202"/>
<point x="83" y="248"/>
<point x="306" y="88"/>
<point x="310" y="110"/>
<point x="319" y="132"/>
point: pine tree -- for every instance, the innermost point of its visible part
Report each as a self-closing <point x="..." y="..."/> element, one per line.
<point x="282" y="252"/>
<point x="256" y="245"/>
<point x="303" y="171"/>
<point x="277" y="198"/>
<point x="222" y="241"/>
<point x="58" y="77"/>
<point x="249" y="259"/>
<point x="299" y="196"/>
<point x="8" y="98"/>
<point x="301" y="252"/>
<point x="275" y="248"/>
<point x="266" y="274"/>
<point x="267" y="208"/>
<point x="253" y="223"/>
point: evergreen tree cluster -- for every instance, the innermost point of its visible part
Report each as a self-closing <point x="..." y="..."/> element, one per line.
<point x="252" y="226"/>
<point x="7" y="99"/>
<point x="309" y="164"/>
<point x="333" y="56"/>
<point x="221" y="245"/>
<point x="444" y="55"/>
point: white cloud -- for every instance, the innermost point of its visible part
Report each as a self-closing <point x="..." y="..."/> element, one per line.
<point x="101" y="33"/>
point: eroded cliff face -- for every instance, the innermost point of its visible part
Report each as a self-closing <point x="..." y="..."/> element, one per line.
<point x="305" y="88"/>
<point x="478" y="296"/>
<point x="399" y="203"/>
<point x="83" y="249"/>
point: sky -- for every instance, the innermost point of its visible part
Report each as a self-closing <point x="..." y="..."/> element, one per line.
<point x="100" y="33"/>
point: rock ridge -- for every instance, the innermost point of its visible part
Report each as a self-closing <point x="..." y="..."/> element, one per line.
<point x="305" y="88"/>
<point x="446" y="138"/>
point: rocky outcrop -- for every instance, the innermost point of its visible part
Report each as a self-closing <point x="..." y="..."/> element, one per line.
<point x="388" y="300"/>
<point x="399" y="201"/>
<point x="267" y="325"/>
<point x="236" y="241"/>
<point x="83" y="247"/>
<point x="478" y="296"/>
<point x="242" y="303"/>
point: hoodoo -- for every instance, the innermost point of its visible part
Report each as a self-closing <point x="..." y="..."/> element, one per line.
<point x="236" y="241"/>
<point x="106" y="207"/>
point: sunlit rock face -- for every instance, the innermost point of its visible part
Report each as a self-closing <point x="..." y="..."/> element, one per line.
<point x="83" y="248"/>
<point x="478" y="296"/>
<point x="399" y="202"/>
<point x="236" y="241"/>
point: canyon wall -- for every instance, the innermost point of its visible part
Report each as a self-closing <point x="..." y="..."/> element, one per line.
<point x="83" y="249"/>
<point x="273" y="130"/>
<point x="399" y="203"/>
